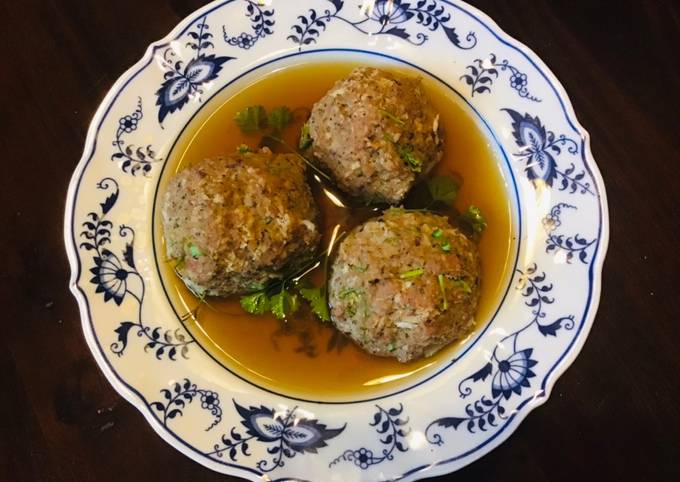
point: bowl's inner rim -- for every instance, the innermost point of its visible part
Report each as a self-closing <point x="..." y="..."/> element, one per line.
<point x="243" y="79"/>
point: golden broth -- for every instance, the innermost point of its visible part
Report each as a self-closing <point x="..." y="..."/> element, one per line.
<point x="305" y="357"/>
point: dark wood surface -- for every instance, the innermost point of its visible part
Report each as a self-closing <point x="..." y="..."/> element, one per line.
<point x="613" y="415"/>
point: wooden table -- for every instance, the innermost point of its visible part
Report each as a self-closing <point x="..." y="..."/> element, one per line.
<point x="614" y="415"/>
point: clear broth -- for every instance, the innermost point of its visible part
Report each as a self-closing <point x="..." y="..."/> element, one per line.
<point x="303" y="356"/>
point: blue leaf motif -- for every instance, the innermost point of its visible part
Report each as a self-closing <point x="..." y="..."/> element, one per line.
<point x="260" y="422"/>
<point x="284" y="432"/>
<point x="204" y="69"/>
<point x="309" y="435"/>
<point x="530" y="135"/>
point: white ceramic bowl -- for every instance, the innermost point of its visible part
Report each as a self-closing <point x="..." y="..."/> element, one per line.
<point x="440" y="422"/>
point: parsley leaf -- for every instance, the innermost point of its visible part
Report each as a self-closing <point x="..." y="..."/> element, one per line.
<point x="284" y="303"/>
<point x="256" y="304"/>
<point x="279" y="118"/>
<point x="443" y="189"/>
<point x="475" y="218"/>
<point x="251" y="119"/>
<point x="317" y="301"/>
<point x="305" y="137"/>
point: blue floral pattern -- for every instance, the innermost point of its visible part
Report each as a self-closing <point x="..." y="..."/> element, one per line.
<point x="133" y="159"/>
<point x="186" y="80"/>
<point x="483" y="72"/>
<point x="262" y="22"/>
<point x="184" y="393"/>
<point x="575" y="245"/>
<point x="117" y="278"/>
<point x="392" y="431"/>
<point x="285" y="432"/>
<point x="384" y="17"/>
<point x="511" y="365"/>
<point x="538" y="146"/>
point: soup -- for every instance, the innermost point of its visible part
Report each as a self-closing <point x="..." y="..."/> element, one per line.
<point x="303" y="356"/>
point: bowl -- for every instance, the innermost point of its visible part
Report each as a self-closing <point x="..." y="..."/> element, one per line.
<point x="432" y="423"/>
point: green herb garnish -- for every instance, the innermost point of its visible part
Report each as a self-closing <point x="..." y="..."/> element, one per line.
<point x="305" y="137"/>
<point x="443" y="189"/>
<point x="413" y="162"/>
<point x="413" y="273"/>
<point x="392" y="117"/>
<point x="446" y="247"/>
<point x="391" y="347"/>
<point x="284" y="303"/>
<point x="352" y="295"/>
<point x="437" y="233"/>
<point x="257" y="303"/>
<point x="407" y="155"/>
<point x="251" y="119"/>
<point x="243" y="149"/>
<point x="442" y="288"/>
<point x="475" y="218"/>
<point x="194" y="251"/>
<point x="462" y="285"/>
<point x="280" y="118"/>
<point x="317" y="301"/>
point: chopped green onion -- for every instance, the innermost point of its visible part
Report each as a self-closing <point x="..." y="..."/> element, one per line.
<point x="392" y="117"/>
<point x="437" y="233"/>
<point x="413" y="273"/>
<point x="243" y="149"/>
<point x="195" y="251"/>
<point x="446" y="247"/>
<point x="407" y="155"/>
<point x="462" y="285"/>
<point x="442" y="288"/>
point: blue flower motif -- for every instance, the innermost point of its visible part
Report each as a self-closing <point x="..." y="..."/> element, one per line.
<point x="363" y="457"/>
<point x="550" y="223"/>
<point x="245" y="40"/>
<point x="390" y="11"/>
<point x="392" y="430"/>
<point x="518" y="81"/>
<point x="513" y="374"/>
<point x="209" y="400"/>
<point x="128" y="123"/>
<point x="110" y="276"/>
